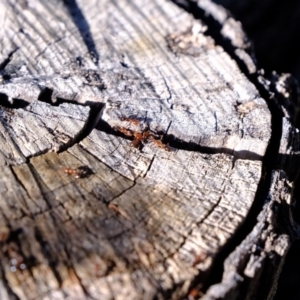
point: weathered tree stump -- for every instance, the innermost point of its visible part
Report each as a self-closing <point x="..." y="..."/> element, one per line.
<point x="141" y="153"/>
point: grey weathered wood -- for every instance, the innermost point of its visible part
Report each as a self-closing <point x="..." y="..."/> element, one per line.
<point x="131" y="223"/>
<point x="252" y="270"/>
<point x="39" y="128"/>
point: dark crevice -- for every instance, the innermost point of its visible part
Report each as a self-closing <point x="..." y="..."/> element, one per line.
<point x="121" y="193"/>
<point x="296" y="200"/>
<point x="93" y="118"/>
<point x="214" y="275"/>
<point x="15" y="103"/>
<point x="22" y="186"/>
<point x="46" y="96"/>
<point x="190" y="146"/>
<point x="177" y="144"/>
<point x="290" y="276"/>
<point x="83" y="27"/>
<point x="6" y="61"/>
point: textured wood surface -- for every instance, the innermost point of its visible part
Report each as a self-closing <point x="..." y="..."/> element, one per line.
<point x="133" y="150"/>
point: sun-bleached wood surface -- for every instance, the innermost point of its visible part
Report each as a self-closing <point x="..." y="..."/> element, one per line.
<point x="133" y="148"/>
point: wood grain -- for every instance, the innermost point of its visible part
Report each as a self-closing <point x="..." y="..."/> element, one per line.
<point x="84" y="213"/>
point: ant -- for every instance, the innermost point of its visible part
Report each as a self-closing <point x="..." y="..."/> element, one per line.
<point x="158" y="141"/>
<point x="142" y="137"/>
<point x="138" y="137"/>
<point x="160" y="144"/>
<point x="80" y="172"/>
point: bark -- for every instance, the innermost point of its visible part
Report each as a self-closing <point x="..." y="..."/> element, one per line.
<point x="140" y="151"/>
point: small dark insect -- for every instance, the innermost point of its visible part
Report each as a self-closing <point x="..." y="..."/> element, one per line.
<point x="124" y="130"/>
<point x="80" y="172"/>
<point x="141" y="137"/>
<point x="73" y="172"/>
<point x="130" y="120"/>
